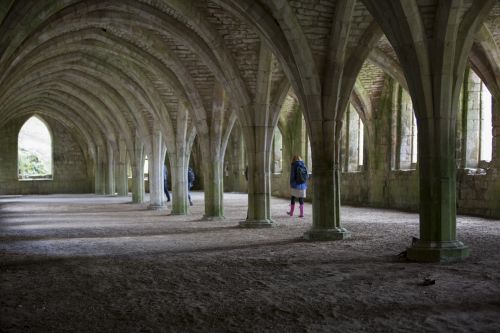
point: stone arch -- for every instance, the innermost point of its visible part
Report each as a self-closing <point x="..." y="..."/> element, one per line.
<point x="44" y="142"/>
<point x="81" y="132"/>
<point x="485" y="60"/>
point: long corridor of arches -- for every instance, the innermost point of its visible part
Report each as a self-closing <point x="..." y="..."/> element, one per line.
<point x="391" y="105"/>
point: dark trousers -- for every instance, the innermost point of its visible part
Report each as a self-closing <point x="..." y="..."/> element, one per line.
<point x="165" y="189"/>
<point x="189" y="193"/>
<point x="301" y="200"/>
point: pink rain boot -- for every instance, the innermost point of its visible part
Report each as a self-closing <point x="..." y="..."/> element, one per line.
<point x="292" y="208"/>
<point x="301" y="211"/>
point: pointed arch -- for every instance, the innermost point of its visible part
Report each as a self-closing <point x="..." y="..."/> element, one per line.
<point x="34" y="150"/>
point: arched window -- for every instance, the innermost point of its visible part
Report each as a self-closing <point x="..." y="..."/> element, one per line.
<point x="406" y="133"/>
<point x="277" y="157"/>
<point x="129" y="169"/>
<point x="477" y="122"/>
<point x="309" y="156"/>
<point x="352" y="141"/>
<point x="34" y="151"/>
<point x="486" y="153"/>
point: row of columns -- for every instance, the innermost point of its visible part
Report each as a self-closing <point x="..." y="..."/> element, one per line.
<point x="435" y="100"/>
<point x="111" y="163"/>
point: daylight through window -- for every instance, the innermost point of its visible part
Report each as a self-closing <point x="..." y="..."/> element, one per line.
<point x="34" y="151"/>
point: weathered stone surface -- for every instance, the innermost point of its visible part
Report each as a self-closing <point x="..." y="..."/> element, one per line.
<point x="70" y="168"/>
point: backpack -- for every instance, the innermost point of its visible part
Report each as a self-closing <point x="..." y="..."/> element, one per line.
<point x="190" y="175"/>
<point x="300" y="174"/>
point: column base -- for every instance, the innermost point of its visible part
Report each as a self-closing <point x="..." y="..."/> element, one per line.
<point x="156" y="207"/>
<point x="179" y="214"/>
<point x="257" y="224"/>
<point x="426" y="251"/>
<point x="213" y="218"/>
<point x="327" y="234"/>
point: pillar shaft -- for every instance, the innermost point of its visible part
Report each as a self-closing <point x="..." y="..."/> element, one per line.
<point x="110" y="172"/>
<point x="179" y="184"/>
<point x="437" y="170"/>
<point x="179" y="164"/>
<point x="99" y="171"/>
<point x="326" y="178"/>
<point x="259" y="178"/>
<point x="496" y="133"/>
<point x="138" y="175"/>
<point x="495" y="193"/>
<point x="213" y="186"/>
<point x="156" y="172"/>
<point x="438" y="184"/>
<point x="213" y="161"/>
<point x="258" y="138"/>
<point x="121" y="178"/>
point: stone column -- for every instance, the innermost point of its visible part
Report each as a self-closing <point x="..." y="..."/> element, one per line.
<point x="235" y="161"/>
<point x="326" y="178"/>
<point x="179" y="185"/>
<point x="138" y="173"/>
<point x="213" y="161"/>
<point x="156" y="172"/>
<point x="495" y="187"/>
<point x="380" y="150"/>
<point x="259" y="179"/>
<point x="110" y="171"/>
<point x="437" y="170"/>
<point x="179" y="164"/>
<point x="434" y="67"/>
<point x="99" y="171"/>
<point x="214" y="193"/>
<point x="121" y="179"/>
<point x="258" y="134"/>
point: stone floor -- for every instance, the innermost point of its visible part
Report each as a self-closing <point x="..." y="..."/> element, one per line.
<point x="85" y="263"/>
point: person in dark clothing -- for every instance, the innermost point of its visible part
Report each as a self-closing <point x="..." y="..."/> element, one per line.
<point x="191" y="179"/>
<point x="165" y="182"/>
<point x="298" y="184"/>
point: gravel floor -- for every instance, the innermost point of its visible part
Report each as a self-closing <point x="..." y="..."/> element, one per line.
<point x="85" y="263"/>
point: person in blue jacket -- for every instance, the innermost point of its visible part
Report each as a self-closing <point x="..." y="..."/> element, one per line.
<point x="191" y="178"/>
<point x="165" y="182"/>
<point x="298" y="184"/>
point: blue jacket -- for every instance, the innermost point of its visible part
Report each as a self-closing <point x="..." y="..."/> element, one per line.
<point x="191" y="178"/>
<point x="293" y="171"/>
<point x="165" y="175"/>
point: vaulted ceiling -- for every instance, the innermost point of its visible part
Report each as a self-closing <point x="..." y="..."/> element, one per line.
<point x="112" y="70"/>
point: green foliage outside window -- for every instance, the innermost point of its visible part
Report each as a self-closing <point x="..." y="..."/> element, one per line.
<point x="31" y="166"/>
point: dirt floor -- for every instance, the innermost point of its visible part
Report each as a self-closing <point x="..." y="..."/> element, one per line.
<point x="84" y="263"/>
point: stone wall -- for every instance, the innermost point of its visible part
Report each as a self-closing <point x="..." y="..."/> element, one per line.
<point x="70" y="170"/>
<point x="235" y="162"/>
